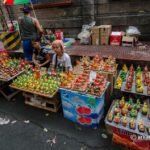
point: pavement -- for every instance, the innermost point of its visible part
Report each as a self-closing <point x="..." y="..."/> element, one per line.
<point x="23" y="127"/>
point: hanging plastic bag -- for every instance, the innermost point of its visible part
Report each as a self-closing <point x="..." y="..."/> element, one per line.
<point x="132" y="30"/>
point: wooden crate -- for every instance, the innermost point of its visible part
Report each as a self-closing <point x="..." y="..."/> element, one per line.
<point x="50" y="104"/>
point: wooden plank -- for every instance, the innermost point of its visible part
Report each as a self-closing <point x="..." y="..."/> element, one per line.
<point x="33" y="92"/>
<point x="55" y="107"/>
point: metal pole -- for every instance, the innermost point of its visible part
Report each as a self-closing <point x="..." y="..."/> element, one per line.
<point x="9" y="16"/>
<point x="33" y="9"/>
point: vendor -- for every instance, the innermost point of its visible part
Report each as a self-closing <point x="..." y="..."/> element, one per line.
<point x="40" y="57"/>
<point x="61" y="60"/>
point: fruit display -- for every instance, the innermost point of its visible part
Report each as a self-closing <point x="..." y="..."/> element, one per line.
<point x="124" y="121"/>
<point x="145" y="109"/>
<point x="139" y="83"/>
<point x="132" y="124"/>
<point x="97" y="86"/>
<point x="122" y="77"/>
<point x="141" y="126"/>
<point x="99" y="64"/>
<point x="109" y="65"/>
<point x="130" y="78"/>
<point x="67" y="80"/>
<point x="134" y="81"/>
<point x="129" y="115"/>
<point x="146" y="76"/>
<point x="33" y="83"/>
<point x="81" y="82"/>
<point x="11" y="67"/>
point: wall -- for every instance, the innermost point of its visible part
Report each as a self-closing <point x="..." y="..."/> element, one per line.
<point x="119" y="13"/>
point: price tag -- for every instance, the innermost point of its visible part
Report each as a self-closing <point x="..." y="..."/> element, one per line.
<point x="92" y="75"/>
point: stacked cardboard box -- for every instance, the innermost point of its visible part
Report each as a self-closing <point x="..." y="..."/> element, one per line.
<point x="95" y="35"/>
<point x="101" y="34"/>
<point x="105" y="31"/>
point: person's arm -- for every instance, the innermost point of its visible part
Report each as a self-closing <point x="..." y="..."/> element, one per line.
<point x="47" y="60"/>
<point x="34" y="60"/>
<point x="68" y="65"/>
<point x="53" y="61"/>
<point x="38" y="26"/>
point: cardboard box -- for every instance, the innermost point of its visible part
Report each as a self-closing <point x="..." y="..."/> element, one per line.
<point x="95" y="39"/>
<point x="128" y="41"/>
<point x="105" y="31"/>
<point x="115" y="38"/>
<point x="84" y="109"/>
<point x="95" y="30"/>
<point x="95" y="35"/>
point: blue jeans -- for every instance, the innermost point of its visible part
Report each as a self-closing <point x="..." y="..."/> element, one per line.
<point x="28" y="49"/>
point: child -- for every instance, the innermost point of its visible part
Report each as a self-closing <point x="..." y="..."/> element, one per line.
<point x="51" y="35"/>
<point x="61" y="60"/>
<point x="40" y="57"/>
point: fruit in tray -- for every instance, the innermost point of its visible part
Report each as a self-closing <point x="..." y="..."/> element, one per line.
<point x="117" y="109"/>
<point x="122" y="102"/>
<point x="85" y="62"/>
<point x="130" y="103"/>
<point x="131" y="69"/>
<point x="139" y="84"/>
<point x="11" y="67"/>
<point x="124" y="68"/>
<point x="132" y="124"/>
<point x="67" y="80"/>
<point x="118" y="83"/>
<point x="111" y="60"/>
<point x="138" y="69"/>
<point x="81" y="82"/>
<point x="108" y="67"/>
<point x="98" y="86"/>
<point x="96" y="63"/>
<point x="130" y="78"/>
<point x="145" y="109"/>
<point x="138" y="104"/>
<point x="43" y="85"/>
<point x="141" y="126"/>
<point x="117" y="118"/>
<point x="133" y="112"/>
<point x="124" y="110"/>
<point x="146" y="76"/>
<point x="110" y="117"/>
<point x="124" y="121"/>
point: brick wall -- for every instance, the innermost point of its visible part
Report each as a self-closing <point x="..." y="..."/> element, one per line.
<point x="119" y="13"/>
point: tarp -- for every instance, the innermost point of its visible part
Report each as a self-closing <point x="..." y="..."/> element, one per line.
<point x="15" y="2"/>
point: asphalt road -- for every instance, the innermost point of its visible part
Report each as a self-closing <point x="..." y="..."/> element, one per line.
<point x="29" y="128"/>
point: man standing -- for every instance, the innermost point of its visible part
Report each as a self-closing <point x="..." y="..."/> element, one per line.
<point x="30" y="30"/>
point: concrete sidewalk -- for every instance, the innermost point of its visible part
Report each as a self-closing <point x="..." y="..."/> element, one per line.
<point x="30" y="128"/>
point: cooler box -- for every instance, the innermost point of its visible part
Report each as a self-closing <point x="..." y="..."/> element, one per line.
<point x="81" y="108"/>
<point x="115" y="38"/>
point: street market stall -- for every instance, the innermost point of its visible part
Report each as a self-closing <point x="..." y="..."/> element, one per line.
<point x="10" y="68"/>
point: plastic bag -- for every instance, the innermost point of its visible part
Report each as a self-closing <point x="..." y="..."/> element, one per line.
<point x="132" y="31"/>
<point x="85" y="34"/>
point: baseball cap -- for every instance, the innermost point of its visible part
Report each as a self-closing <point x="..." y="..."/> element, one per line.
<point x="26" y="9"/>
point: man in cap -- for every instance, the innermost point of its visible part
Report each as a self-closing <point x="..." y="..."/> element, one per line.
<point x="30" y="30"/>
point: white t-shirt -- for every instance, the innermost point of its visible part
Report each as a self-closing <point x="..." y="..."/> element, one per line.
<point x="64" y="61"/>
